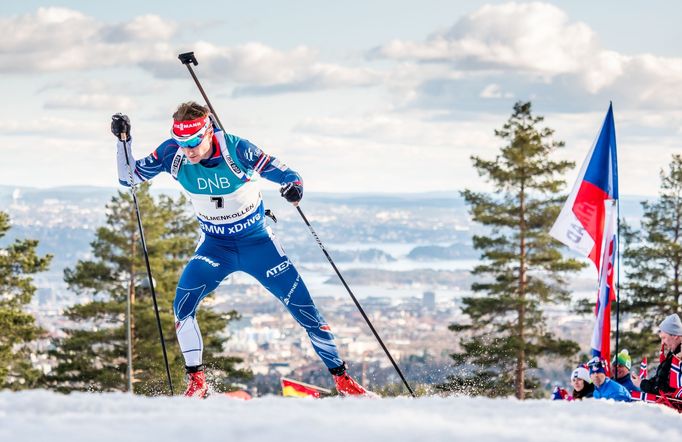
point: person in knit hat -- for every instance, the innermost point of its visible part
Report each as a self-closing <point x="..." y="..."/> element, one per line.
<point x="582" y="384"/>
<point x="670" y="332"/>
<point x="622" y="363"/>
<point x="605" y="388"/>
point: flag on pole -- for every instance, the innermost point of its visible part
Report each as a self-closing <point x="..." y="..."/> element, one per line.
<point x="675" y="380"/>
<point x="588" y="224"/>
<point x="293" y="388"/>
<point x="643" y="369"/>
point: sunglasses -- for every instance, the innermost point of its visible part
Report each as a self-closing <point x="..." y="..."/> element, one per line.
<point x="193" y="140"/>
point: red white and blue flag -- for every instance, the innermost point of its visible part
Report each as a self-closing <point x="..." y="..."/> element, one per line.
<point x="643" y="369"/>
<point x="588" y="224"/>
<point x="676" y="373"/>
<point x="645" y="397"/>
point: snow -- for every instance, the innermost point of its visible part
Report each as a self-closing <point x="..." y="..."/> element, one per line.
<point x="46" y="416"/>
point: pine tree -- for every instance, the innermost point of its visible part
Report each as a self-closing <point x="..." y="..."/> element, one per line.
<point x="523" y="268"/>
<point x="17" y="327"/>
<point x="653" y="264"/>
<point x="93" y="356"/>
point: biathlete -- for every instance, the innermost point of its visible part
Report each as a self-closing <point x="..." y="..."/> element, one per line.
<point x="215" y="169"/>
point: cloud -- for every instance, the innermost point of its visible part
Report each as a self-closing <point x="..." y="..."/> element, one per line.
<point x="413" y="147"/>
<point x="89" y="102"/>
<point x="60" y="39"/>
<point x="414" y="129"/>
<point x="55" y="39"/>
<point x="51" y="127"/>
<point x="494" y="90"/>
<point x="390" y="152"/>
<point x="258" y="69"/>
<point x="147" y="27"/>
<point x="534" y="51"/>
<point x="535" y="37"/>
<point x="87" y="92"/>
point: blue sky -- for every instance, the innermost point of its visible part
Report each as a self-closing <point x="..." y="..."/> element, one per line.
<point x="382" y="96"/>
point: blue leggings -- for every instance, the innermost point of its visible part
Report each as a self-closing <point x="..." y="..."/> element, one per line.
<point x="264" y="259"/>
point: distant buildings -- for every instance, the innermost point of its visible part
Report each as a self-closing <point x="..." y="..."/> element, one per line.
<point x="268" y="339"/>
<point x="429" y="301"/>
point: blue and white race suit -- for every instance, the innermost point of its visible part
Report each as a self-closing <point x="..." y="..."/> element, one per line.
<point x="229" y="207"/>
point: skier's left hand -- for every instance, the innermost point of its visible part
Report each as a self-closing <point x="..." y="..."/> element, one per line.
<point x="292" y="192"/>
<point x="120" y="126"/>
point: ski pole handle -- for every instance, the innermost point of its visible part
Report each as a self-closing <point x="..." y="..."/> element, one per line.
<point x="187" y="58"/>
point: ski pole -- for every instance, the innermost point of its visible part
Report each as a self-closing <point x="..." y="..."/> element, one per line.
<point x="146" y="260"/>
<point x="357" y="304"/>
<point x="188" y="58"/>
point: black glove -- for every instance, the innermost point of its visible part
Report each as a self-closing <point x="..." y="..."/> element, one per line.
<point x="120" y="125"/>
<point x="292" y="192"/>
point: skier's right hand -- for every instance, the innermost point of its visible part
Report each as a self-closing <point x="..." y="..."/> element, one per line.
<point x="292" y="192"/>
<point x="120" y="126"/>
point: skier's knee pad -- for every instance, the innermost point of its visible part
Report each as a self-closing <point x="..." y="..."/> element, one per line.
<point x="309" y="317"/>
<point x="187" y="300"/>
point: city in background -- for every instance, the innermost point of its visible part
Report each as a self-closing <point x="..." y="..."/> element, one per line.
<point x="406" y="257"/>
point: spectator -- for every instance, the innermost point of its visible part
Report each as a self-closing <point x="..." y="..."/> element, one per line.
<point x="621" y="367"/>
<point x="582" y="384"/>
<point x="605" y="388"/>
<point x="670" y="332"/>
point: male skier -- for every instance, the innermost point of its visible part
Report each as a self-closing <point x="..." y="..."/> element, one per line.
<point x="215" y="169"/>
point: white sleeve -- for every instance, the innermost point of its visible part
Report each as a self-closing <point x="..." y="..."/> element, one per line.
<point x="124" y="170"/>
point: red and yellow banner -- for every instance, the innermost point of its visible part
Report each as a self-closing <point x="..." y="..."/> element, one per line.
<point x="293" y="388"/>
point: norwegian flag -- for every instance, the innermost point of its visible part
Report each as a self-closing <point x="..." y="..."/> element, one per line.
<point x="672" y="400"/>
<point x="676" y="374"/>
<point x="644" y="397"/>
<point x="588" y="224"/>
<point x="642" y="369"/>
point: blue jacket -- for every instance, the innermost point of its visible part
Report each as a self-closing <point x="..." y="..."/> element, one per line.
<point x="226" y="200"/>
<point x="626" y="381"/>
<point x="612" y="390"/>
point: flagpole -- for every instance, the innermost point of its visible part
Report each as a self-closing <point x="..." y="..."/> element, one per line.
<point x="585" y="230"/>
<point x="617" y="252"/>
<point x="617" y="287"/>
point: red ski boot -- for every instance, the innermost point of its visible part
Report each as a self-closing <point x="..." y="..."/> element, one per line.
<point x="347" y="386"/>
<point x="196" y="384"/>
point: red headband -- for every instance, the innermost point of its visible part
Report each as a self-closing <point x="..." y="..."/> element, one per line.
<point x="190" y="127"/>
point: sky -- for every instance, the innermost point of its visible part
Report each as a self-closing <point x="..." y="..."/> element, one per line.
<point x="380" y="96"/>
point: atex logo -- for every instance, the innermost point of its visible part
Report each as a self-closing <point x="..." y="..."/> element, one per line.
<point x="278" y="269"/>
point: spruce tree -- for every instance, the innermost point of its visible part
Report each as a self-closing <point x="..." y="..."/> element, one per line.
<point x="93" y="356"/>
<point x="17" y="327"/>
<point x="652" y="259"/>
<point x="522" y="267"/>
